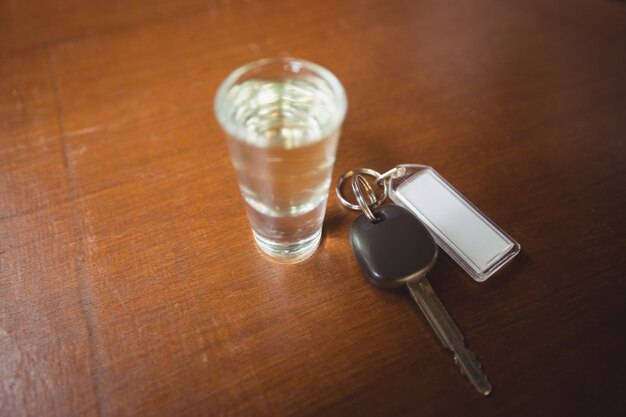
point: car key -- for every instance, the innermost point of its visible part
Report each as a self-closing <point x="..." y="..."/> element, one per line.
<point x="393" y="249"/>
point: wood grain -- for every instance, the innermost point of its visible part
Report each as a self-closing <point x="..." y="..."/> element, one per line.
<point x="129" y="281"/>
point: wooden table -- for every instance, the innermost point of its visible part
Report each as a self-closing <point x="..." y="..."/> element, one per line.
<point x="129" y="281"/>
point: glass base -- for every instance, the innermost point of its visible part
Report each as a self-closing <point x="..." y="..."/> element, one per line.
<point x="289" y="253"/>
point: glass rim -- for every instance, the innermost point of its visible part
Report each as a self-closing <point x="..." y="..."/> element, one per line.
<point x="339" y="93"/>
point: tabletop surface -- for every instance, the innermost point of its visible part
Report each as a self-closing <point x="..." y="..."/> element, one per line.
<point x="129" y="281"/>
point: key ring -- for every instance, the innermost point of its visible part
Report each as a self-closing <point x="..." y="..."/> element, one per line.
<point x="362" y="172"/>
<point x="357" y="181"/>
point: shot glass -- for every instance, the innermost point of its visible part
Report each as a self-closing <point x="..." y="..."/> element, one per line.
<point x="282" y="118"/>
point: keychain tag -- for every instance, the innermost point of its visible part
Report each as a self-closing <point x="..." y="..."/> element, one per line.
<point x="477" y="244"/>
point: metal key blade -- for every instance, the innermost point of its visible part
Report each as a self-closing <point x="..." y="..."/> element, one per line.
<point x="449" y="334"/>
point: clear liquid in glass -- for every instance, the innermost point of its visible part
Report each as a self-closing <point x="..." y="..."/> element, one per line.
<point x="284" y="154"/>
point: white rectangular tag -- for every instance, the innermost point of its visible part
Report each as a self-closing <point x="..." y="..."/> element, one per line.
<point x="467" y="235"/>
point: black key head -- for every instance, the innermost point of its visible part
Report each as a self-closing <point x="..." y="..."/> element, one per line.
<point x="393" y="251"/>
